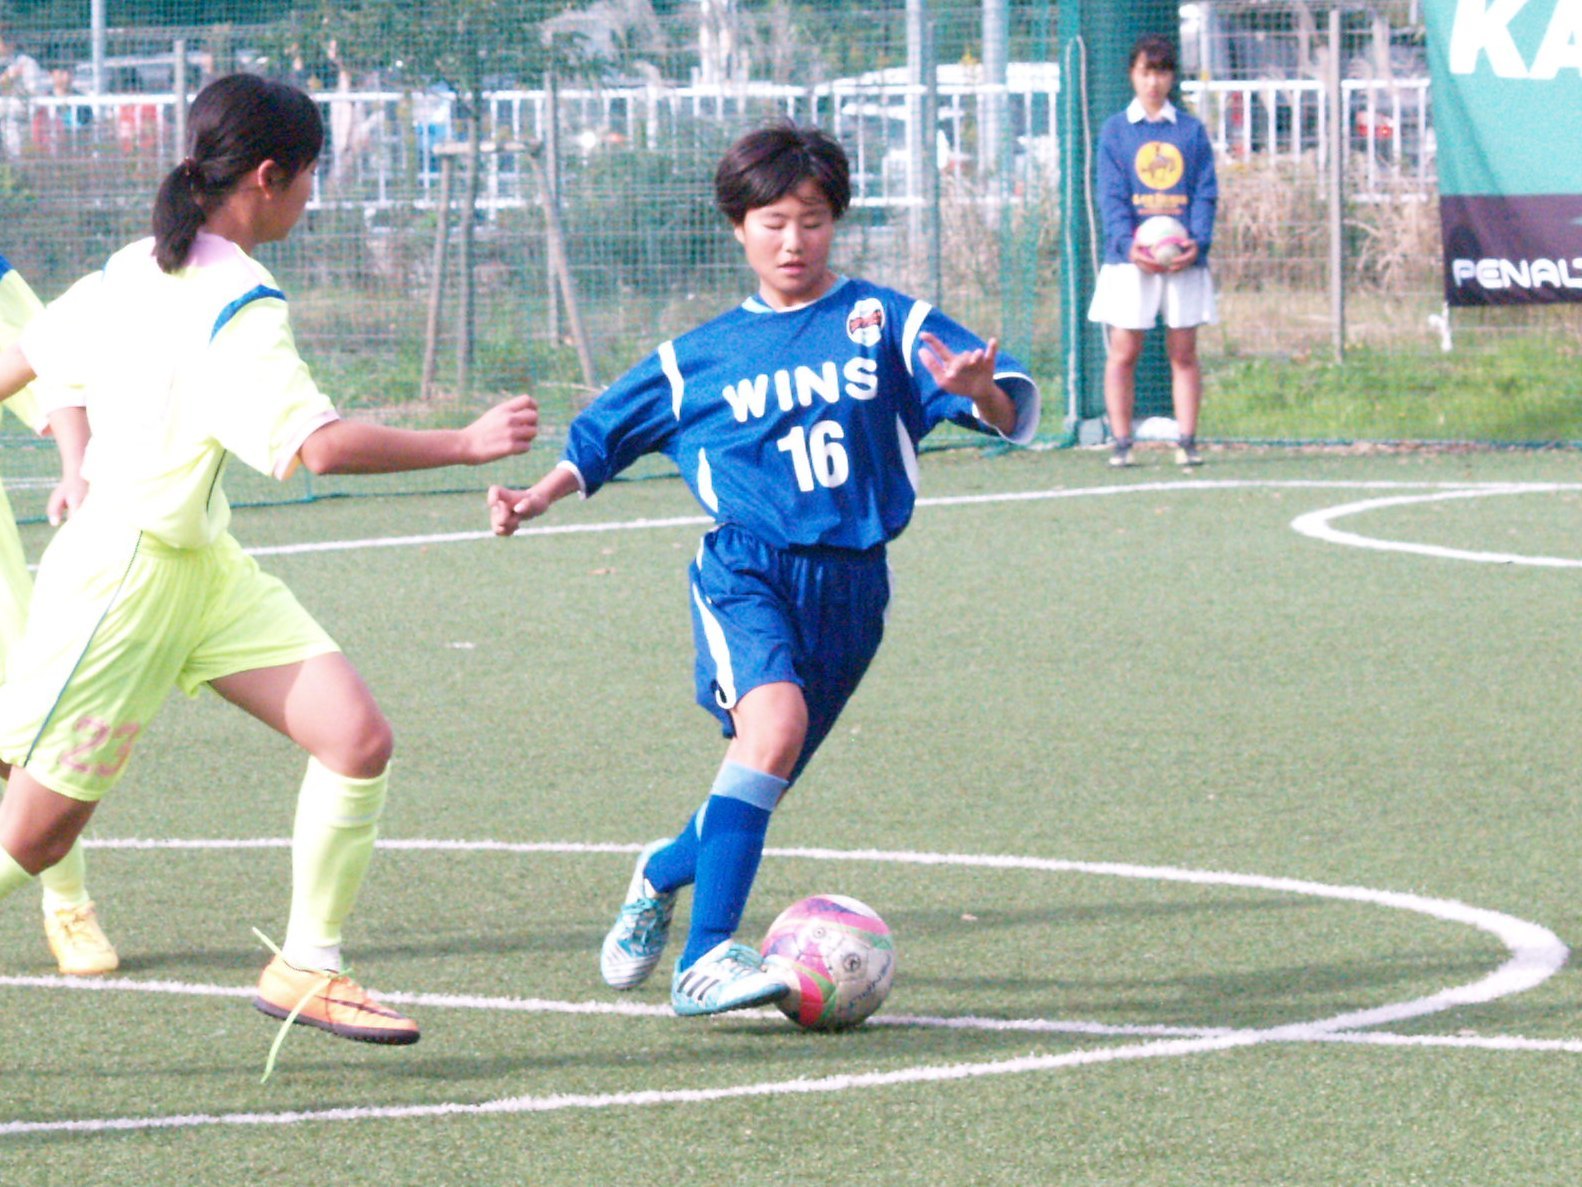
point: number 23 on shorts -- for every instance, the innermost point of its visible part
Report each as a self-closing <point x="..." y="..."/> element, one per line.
<point x="101" y="749"/>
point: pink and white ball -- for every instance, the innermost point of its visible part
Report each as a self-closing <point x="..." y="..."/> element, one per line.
<point x="1162" y="238"/>
<point x="838" y="957"/>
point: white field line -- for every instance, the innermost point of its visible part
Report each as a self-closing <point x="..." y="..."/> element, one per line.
<point x="1318" y="525"/>
<point x="1536" y="954"/>
<point x="1207" y="484"/>
<point x="617" y="1009"/>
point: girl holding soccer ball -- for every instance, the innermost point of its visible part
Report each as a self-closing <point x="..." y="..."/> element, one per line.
<point x="1154" y="160"/>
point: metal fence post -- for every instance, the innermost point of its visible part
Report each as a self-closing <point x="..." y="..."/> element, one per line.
<point x="179" y="64"/>
<point x="1337" y="191"/>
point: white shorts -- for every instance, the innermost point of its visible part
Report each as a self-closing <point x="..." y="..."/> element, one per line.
<point x="1132" y="299"/>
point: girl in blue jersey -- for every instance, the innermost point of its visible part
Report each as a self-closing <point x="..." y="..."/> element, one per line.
<point x="182" y="348"/>
<point x="795" y="418"/>
<point x="1154" y="159"/>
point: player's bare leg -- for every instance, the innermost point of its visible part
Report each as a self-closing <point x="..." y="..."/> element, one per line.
<point x="1120" y="389"/>
<point x="71" y="921"/>
<point x="771" y="728"/>
<point x="38" y="827"/>
<point x="1186" y="389"/>
<point x="323" y="705"/>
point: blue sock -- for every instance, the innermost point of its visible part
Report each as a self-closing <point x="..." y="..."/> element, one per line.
<point x="732" y="842"/>
<point x="676" y="865"/>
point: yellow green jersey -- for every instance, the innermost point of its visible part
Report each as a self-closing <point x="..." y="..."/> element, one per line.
<point x="178" y="371"/>
<point x="18" y="306"/>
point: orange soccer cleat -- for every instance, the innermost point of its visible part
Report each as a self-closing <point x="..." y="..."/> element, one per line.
<point x="330" y="1001"/>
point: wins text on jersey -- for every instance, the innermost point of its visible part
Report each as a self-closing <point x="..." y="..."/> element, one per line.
<point x="801" y="385"/>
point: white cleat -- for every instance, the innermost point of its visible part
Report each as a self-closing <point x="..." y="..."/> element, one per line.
<point x="637" y="940"/>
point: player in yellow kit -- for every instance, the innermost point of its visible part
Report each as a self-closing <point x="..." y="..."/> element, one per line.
<point x="71" y="922"/>
<point x="184" y="351"/>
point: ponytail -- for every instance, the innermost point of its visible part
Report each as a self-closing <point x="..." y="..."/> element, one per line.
<point x="236" y="124"/>
<point x="178" y="216"/>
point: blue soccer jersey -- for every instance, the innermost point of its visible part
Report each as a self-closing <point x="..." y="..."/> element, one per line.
<point x="800" y="426"/>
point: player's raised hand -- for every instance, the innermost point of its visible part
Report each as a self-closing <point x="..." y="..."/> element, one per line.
<point x="507" y="428"/>
<point x="969" y="373"/>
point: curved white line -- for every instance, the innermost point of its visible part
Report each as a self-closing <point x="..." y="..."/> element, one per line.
<point x="1318" y="525"/>
<point x="1078" y="492"/>
<point x="1536" y="954"/>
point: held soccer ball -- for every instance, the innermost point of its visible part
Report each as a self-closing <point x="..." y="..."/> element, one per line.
<point x="838" y="957"/>
<point x="1162" y="238"/>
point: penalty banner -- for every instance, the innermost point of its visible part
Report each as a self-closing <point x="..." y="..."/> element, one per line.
<point x="1507" y="95"/>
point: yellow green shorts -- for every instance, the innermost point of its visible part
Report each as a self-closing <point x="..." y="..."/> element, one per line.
<point x="117" y="618"/>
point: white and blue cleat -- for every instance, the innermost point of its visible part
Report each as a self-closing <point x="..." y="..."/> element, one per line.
<point x="637" y="941"/>
<point x="729" y="976"/>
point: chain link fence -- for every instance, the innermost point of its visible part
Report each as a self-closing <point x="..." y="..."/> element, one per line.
<point x="539" y="218"/>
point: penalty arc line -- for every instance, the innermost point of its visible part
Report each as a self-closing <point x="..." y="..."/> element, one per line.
<point x="1536" y="954"/>
<point x="1207" y="484"/>
<point x="1318" y="525"/>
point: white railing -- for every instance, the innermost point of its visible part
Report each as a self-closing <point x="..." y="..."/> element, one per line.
<point x="381" y="144"/>
<point x="1388" y="124"/>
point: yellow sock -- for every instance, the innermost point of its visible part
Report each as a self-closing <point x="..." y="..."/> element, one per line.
<point x="66" y="882"/>
<point x="331" y="842"/>
<point x="12" y="876"/>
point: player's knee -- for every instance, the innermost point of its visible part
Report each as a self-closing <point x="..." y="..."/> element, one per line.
<point x="35" y="851"/>
<point x="1125" y="346"/>
<point x="784" y="742"/>
<point x="363" y="746"/>
<point x="1181" y="347"/>
<point x="771" y="728"/>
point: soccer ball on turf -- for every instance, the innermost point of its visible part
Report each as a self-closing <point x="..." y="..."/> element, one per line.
<point x="1162" y="238"/>
<point x="838" y="957"/>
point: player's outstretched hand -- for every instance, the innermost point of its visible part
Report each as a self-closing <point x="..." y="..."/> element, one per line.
<point x="64" y="500"/>
<point x="510" y="509"/>
<point x="970" y="373"/>
<point x="507" y="428"/>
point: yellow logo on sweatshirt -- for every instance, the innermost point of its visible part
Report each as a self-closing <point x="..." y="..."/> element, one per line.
<point x="1159" y="165"/>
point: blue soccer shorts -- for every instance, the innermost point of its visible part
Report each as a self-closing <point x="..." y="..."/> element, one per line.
<point x="811" y="616"/>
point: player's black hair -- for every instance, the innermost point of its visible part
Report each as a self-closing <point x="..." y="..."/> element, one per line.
<point x="764" y="166"/>
<point x="1155" y="52"/>
<point x="236" y="124"/>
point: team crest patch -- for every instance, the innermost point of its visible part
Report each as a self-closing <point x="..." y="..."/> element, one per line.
<point x="865" y="322"/>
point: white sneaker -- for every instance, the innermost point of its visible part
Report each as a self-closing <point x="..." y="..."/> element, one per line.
<point x="637" y="941"/>
<point x="729" y="976"/>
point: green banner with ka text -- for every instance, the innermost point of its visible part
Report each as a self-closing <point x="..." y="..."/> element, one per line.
<point x="1506" y="79"/>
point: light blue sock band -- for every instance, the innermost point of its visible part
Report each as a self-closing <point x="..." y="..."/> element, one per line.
<point x="758" y="788"/>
